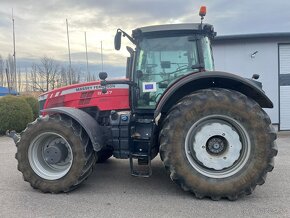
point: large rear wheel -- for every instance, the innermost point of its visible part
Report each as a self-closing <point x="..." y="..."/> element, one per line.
<point x="218" y="143"/>
<point x="54" y="154"/>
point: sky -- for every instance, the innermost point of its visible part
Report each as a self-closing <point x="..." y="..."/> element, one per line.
<point x="40" y="25"/>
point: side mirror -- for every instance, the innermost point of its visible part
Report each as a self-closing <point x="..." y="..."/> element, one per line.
<point x="103" y="75"/>
<point x="117" y="41"/>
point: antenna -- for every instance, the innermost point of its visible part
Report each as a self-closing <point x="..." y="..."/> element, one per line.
<point x="88" y="73"/>
<point x="102" y="56"/>
<point x="69" y="58"/>
<point x="14" y="53"/>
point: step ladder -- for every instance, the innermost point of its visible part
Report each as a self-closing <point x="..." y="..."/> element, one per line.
<point x="143" y="159"/>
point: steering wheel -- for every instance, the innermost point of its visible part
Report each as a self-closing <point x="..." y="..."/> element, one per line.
<point x="177" y="70"/>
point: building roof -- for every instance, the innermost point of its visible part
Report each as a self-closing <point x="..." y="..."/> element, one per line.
<point x="253" y="36"/>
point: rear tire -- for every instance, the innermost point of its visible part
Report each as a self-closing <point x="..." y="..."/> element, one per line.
<point x="218" y="143"/>
<point x="57" y="134"/>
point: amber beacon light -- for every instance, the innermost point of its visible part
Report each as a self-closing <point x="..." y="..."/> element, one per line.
<point x="202" y="11"/>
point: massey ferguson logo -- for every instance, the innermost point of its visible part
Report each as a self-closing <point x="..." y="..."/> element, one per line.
<point x="87" y="88"/>
<point x="94" y="87"/>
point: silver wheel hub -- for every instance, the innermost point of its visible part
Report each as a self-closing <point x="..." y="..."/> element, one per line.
<point x="217" y="146"/>
<point x="50" y="156"/>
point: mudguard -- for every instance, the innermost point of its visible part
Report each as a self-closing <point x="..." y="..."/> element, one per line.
<point x="210" y="79"/>
<point x="89" y="124"/>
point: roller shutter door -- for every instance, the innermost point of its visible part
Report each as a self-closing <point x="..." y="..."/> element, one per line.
<point x="284" y="82"/>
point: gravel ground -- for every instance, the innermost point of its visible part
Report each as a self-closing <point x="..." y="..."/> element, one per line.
<point x="111" y="192"/>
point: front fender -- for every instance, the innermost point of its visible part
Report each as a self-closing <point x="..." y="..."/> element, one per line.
<point x="89" y="124"/>
<point x="210" y="79"/>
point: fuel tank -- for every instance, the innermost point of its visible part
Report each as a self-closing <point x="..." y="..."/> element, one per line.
<point x="87" y="94"/>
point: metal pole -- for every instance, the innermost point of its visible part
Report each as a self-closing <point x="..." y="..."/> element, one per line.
<point x="14" y="53"/>
<point x="88" y="73"/>
<point x="102" y="56"/>
<point x="69" y="57"/>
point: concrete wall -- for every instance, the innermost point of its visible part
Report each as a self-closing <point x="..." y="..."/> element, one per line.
<point x="234" y="56"/>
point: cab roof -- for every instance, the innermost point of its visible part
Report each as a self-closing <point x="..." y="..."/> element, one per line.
<point x="184" y="28"/>
<point x="170" y="27"/>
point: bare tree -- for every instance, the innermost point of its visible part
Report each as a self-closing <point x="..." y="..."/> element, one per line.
<point x="63" y="80"/>
<point x="10" y="75"/>
<point x="76" y="76"/>
<point x="26" y="80"/>
<point x="33" y="79"/>
<point x="11" y="82"/>
<point x="2" y="73"/>
<point x="45" y="75"/>
<point x="19" y="81"/>
<point x="49" y="74"/>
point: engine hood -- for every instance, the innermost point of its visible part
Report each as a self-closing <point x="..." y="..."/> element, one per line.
<point x="87" y="94"/>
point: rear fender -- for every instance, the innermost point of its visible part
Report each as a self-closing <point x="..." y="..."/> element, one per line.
<point x="210" y="79"/>
<point x="89" y="124"/>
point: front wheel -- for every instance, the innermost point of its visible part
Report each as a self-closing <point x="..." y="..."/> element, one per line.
<point x="54" y="154"/>
<point x="218" y="143"/>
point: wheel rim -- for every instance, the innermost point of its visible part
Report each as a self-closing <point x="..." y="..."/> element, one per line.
<point x="217" y="146"/>
<point x="50" y="156"/>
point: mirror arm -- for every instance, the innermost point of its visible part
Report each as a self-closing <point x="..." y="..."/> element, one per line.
<point x="128" y="36"/>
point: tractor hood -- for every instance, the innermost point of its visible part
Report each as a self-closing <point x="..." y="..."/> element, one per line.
<point x="89" y="94"/>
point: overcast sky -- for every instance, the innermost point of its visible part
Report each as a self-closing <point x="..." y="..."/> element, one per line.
<point x="41" y="30"/>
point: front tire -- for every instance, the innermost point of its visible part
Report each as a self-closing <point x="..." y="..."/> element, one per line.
<point x="54" y="154"/>
<point x="218" y="143"/>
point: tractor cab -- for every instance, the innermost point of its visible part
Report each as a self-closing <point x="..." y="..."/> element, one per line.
<point x="164" y="54"/>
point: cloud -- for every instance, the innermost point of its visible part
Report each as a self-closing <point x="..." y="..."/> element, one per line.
<point x="41" y="28"/>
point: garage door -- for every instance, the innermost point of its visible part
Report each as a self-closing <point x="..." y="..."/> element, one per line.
<point x="284" y="81"/>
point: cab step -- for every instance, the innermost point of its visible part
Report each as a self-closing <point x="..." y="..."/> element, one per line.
<point x="144" y="164"/>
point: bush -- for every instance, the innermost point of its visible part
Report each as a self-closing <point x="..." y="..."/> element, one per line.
<point x="33" y="103"/>
<point x="15" y="114"/>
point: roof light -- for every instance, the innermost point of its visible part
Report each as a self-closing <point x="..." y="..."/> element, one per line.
<point x="202" y="11"/>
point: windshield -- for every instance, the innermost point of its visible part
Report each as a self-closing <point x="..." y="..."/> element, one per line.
<point x="161" y="61"/>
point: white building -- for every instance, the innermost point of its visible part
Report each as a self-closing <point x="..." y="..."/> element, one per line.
<point x="266" y="54"/>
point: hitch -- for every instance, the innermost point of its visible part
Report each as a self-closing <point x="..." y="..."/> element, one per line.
<point x="14" y="135"/>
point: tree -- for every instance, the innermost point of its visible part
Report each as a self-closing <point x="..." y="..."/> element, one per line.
<point x="10" y="73"/>
<point x="19" y="81"/>
<point x="2" y="72"/>
<point x="76" y="77"/>
<point x="45" y="75"/>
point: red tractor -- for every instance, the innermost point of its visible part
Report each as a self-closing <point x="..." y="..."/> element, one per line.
<point x="210" y="130"/>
